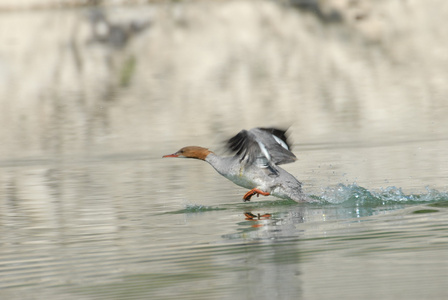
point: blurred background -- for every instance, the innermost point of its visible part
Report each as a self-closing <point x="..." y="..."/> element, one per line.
<point x="93" y="93"/>
<point x="80" y="78"/>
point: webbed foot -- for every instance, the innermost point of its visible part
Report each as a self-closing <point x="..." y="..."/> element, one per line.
<point x="252" y="192"/>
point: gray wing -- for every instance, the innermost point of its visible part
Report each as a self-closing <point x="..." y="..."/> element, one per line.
<point x="265" y="147"/>
<point x="276" y="144"/>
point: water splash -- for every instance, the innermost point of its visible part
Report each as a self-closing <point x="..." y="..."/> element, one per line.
<point x="354" y="194"/>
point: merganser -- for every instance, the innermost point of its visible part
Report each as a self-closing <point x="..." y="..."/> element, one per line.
<point x="258" y="152"/>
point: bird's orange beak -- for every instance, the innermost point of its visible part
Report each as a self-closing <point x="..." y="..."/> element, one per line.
<point x="171" y="155"/>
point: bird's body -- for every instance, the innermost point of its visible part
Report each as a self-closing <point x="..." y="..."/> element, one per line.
<point x="284" y="185"/>
<point x="259" y="151"/>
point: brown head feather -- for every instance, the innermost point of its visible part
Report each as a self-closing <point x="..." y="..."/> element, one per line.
<point x="191" y="152"/>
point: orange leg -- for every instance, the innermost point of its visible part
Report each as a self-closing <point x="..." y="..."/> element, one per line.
<point x="252" y="192"/>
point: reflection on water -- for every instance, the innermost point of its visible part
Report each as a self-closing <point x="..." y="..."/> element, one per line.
<point x="89" y="210"/>
<point x="114" y="228"/>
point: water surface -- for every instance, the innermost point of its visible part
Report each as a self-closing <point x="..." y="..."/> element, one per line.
<point x="129" y="227"/>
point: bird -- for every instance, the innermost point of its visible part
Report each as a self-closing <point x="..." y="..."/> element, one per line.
<point x="257" y="154"/>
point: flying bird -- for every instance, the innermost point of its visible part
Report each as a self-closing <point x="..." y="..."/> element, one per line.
<point x="258" y="152"/>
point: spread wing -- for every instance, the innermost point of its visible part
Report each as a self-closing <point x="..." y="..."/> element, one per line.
<point x="265" y="147"/>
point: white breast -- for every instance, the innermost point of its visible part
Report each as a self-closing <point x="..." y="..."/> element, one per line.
<point x="242" y="181"/>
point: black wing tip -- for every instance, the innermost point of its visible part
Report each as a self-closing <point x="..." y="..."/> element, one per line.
<point x="281" y="129"/>
<point x="236" y="143"/>
<point x="239" y="144"/>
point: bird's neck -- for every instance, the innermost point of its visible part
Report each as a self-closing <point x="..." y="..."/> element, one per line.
<point x="221" y="164"/>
